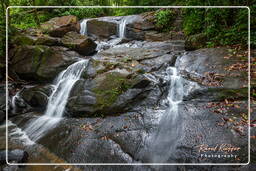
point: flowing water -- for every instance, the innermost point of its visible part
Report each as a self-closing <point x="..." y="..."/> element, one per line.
<point x="162" y="142"/>
<point x="13" y="102"/>
<point x="83" y="26"/>
<point x="122" y="26"/>
<point x="57" y="101"/>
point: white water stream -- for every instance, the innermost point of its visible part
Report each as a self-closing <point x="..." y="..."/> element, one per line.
<point x="57" y="101"/>
<point x="83" y="27"/>
<point x="122" y="27"/>
<point x="163" y="141"/>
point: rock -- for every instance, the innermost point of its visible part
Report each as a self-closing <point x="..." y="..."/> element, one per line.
<point x="209" y="67"/>
<point x="98" y="96"/>
<point x="152" y="36"/>
<point x="102" y="28"/>
<point x="196" y="41"/>
<point x="216" y="94"/>
<point x="108" y="93"/>
<point x="37" y="96"/>
<point x="41" y="63"/>
<point x="59" y="26"/>
<point x="118" y="78"/>
<point x="17" y="156"/>
<point x="35" y="37"/>
<point x="80" y="43"/>
<point x="142" y="22"/>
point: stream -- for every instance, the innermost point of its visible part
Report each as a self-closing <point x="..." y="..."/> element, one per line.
<point x="157" y="123"/>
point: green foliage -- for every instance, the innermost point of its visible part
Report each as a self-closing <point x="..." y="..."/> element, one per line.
<point x="193" y="21"/>
<point x="164" y="19"/>
<point x="83" y="12"/>
<point x="221" y="26"/>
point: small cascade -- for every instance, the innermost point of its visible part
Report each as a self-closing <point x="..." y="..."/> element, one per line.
<point x="163" y="141"/>
<point x="16" y="134"/>
<point x="122" y="27"/>
<point x="13" y="102"/>
<point x="83" y="27"/>
<point x="57" y="101"/>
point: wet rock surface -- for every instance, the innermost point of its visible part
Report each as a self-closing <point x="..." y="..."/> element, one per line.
<point x="58" y="26"/>
<point x="121" y="100"/>
<point x="41" y="63"/>
<point x="210" y="66"/>
<point x="102" y="28"/>
<point x="117" y="79"/>
<point x="80" y="43"/>
<point x="36" y="96"/>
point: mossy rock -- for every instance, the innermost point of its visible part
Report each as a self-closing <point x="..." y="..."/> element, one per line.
<point x="23" y="40"/>
<point x="41" y="63"/>
<point x="59" y="26"/>
<point x="196" y="41"/>
<point x="109" y="86"/>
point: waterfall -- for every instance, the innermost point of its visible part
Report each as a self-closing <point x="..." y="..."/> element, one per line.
<point x="57" y="101"/>
<point x="13" y="102"/>
<point x="122" y="26"/>
<point x="162" y="142"/>
<point x="83" y="27"/>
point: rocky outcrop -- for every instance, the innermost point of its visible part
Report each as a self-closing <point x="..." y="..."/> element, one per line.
<point x="215" y="69"/>
<point x="35" y="37"/>
<point x="116" y="80"/>
<point x="102" y="28"/>
<point x="37" y="96"/>
<point x="41" y="63"/>
<point x="110" y="93"/>
<point x="137" y="27"/>
<point x="79" y="43"/>
<point x="59" y="26"/>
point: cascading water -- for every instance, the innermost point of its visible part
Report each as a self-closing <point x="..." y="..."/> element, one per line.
<point x="13" y="102"/>
<point x="57" y="101"/>
<point x="122" y="26"/>
<point x="83" y="26"/>
<point x="163" y="141"/>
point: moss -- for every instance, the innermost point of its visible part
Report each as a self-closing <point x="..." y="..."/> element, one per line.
<point x="108" y="91"/>
<point x="23" y="40"/>
<point x="37" y="56"/>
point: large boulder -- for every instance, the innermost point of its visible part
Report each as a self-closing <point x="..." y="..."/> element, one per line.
<point x="139" y="25"/>
<point x="80" y="43"/>
<point x="117" y="79"/>
<point x="37" y="96"/>
<point x="222" y="71"/>
<point x="102" y="28"/>
<point x="59" y="26"/>
<point x="109" y="93"/>
<point x="41" y="63"/>
<point x="35" y="37"/>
